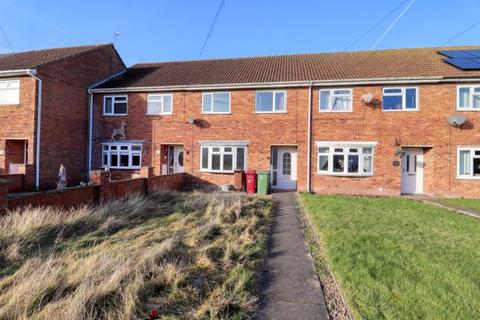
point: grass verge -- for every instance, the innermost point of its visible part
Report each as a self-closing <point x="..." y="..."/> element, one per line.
<point x="190" y="256"/>
<point x="399" y="259"/>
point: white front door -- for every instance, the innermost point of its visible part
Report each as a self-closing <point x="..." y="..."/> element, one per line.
<point x="412" y="171"/>
<point x="175" y="159"/>
<point x="286" y="168"/>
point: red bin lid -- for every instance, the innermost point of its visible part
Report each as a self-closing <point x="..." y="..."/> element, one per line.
<point x="251" y="172"/>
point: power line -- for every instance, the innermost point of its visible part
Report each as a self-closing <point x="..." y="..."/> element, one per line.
<point x="462" y="32"/>
<point x="392" y="25"/>
<point x="211" y="27"/>
<point x="6" y="38"/>
<point x="375" y="25"/>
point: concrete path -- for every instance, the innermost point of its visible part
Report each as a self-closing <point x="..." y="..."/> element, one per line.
<point x="290" y="286"/>
<point x="451" y="207"/>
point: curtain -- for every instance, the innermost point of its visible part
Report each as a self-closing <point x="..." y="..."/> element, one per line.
<point x="465" y="163"/>
<point x="341" y="103"/>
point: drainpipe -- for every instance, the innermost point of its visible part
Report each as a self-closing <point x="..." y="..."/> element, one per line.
<point x="90" y="132"/>
<point x="32" y="73"/>
<point x="309" y="139"/>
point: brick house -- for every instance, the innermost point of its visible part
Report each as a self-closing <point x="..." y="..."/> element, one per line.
<point x="371" y="122"/>
<point x="44" y="110"/>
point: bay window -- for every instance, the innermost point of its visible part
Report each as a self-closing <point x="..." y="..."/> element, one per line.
<point x="122" y="155"/>
<point x="468" y="163"/>
<point x="218" y="157"/>
<point x="345" y="158"/>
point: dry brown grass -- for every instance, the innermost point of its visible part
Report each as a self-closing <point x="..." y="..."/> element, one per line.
<point x="188" y="255"/>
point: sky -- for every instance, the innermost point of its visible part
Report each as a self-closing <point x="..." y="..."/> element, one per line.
<point x="176" y="29"/>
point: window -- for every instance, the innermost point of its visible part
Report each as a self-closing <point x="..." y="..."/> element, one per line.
<point x="121" y="155"/>
<point x="159" y="104"/>
<point x="400" y="99"/>
<point x="216" y="102"/>
<point x="351" y="159"/>
<point x="115" y="105"/>
<point x="218" y="158"/>
<point x="468" y="98"/>
<point x="10" y="92"/>
<point x="335" y="100"/>
<point x="270" y="101"/>
<point x="287" y="164"/>
<point x="468" y="163"/>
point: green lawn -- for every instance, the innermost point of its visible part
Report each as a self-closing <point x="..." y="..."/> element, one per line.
<point x="398" y="258"/>
<point x="463" y="203"/>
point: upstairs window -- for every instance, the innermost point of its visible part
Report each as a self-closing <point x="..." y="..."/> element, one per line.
<point x="115" y="105"/>
<point x="122" y="155"/>
<point x="468" y="163"/>
<point x="159" y="104"/>
<point x="223" y="158"/>
<point x="216" y="102"/>
<point x="270" y="101"/>
<point x="10" y="92"/>
<point x="468" y="98"/>
<point x="400" y="99"/>
<point x="335" y="100"/>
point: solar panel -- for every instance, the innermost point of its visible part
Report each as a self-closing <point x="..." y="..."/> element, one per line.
<point x="475" y="53"/>
<point x="456" y="54"/>
<point x="464" y="64"/>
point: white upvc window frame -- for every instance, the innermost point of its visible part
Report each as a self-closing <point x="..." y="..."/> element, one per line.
<point x="8" y="84"/>
<point x="274" y="92"/>
<point x="221" y="151"/>
<point x="404" y="98"/>
<point x="114" y="97"/>
<point x="160" y="96"/>
<point x="347" y="149"/>
<point x="118" y="149"/>
<point x="472" y="88"/>
<point x="332" y="95"/>
<point x="472" y="150"/>
<point x="213" y="102"/>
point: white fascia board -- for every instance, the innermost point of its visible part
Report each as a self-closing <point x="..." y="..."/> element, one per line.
<point x="19" y="72"/>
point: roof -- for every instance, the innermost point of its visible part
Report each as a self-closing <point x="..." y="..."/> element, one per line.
<point x="36" y="58"/>
<point x="396" y="63"/>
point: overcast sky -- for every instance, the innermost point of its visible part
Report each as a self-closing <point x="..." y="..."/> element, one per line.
<point x="175" y="30"/>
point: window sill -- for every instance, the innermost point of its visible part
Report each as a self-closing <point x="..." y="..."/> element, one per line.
<point x="348" y="175"/>
<point x="10" y="104"/>
<point x="158" y="114"/>
<point x="271" y="112"/>
<point x="212" y="171"/>
<point x="331" y="111"/>
<point x="403" y="110"/>
<point x="115" y="115"/>
<point x="216" y="113"/>
<point x="467" y="109"/>
<point x="121" y="168"/>
<point x="468" y="178"/>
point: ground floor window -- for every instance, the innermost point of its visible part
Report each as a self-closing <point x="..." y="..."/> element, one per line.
<point x="345" y="158"/>
<point x="469" y="162"/>
<point x="226" y="158"/>
<point x="122" y="155"/>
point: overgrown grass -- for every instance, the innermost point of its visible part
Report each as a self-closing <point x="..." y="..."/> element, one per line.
<point x="190" y="256"/>
<point x="473" y="204"/>
<point x="399" y="258"/>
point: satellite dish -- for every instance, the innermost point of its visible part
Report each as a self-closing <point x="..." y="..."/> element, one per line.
<point x="456" y="120"/>
<point x="367" y="98"/>
<point x="191" y="121"/>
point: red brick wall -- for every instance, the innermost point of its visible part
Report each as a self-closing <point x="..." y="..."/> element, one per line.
<point x="392" y="130"/>
<point x="121" y="189"/>
<point x="15" y="182"/>
<point x="71" y="197"/>
<point x="18" y="121"/>
<point x="169" y="182"/>
<point x="65" y="112"/>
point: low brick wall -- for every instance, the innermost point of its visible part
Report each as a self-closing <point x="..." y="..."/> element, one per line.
<point x="170" y="182"/>
<point x="16" y="182"/>
<point x="70" y="197"/>
<point x="92" y="194"/>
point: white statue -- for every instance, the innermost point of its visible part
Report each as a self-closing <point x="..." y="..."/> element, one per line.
<point x="62" y="178"/>
<point x="120" y="132"/>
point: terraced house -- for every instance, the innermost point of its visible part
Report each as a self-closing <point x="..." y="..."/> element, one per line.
<point x="44" y="110"/>
<point x="383" y="122"/>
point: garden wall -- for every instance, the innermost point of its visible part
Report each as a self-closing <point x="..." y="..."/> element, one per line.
<point x="101" y="190"/>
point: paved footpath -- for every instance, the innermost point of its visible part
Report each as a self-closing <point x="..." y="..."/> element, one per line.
<point x="290" y="286"/>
